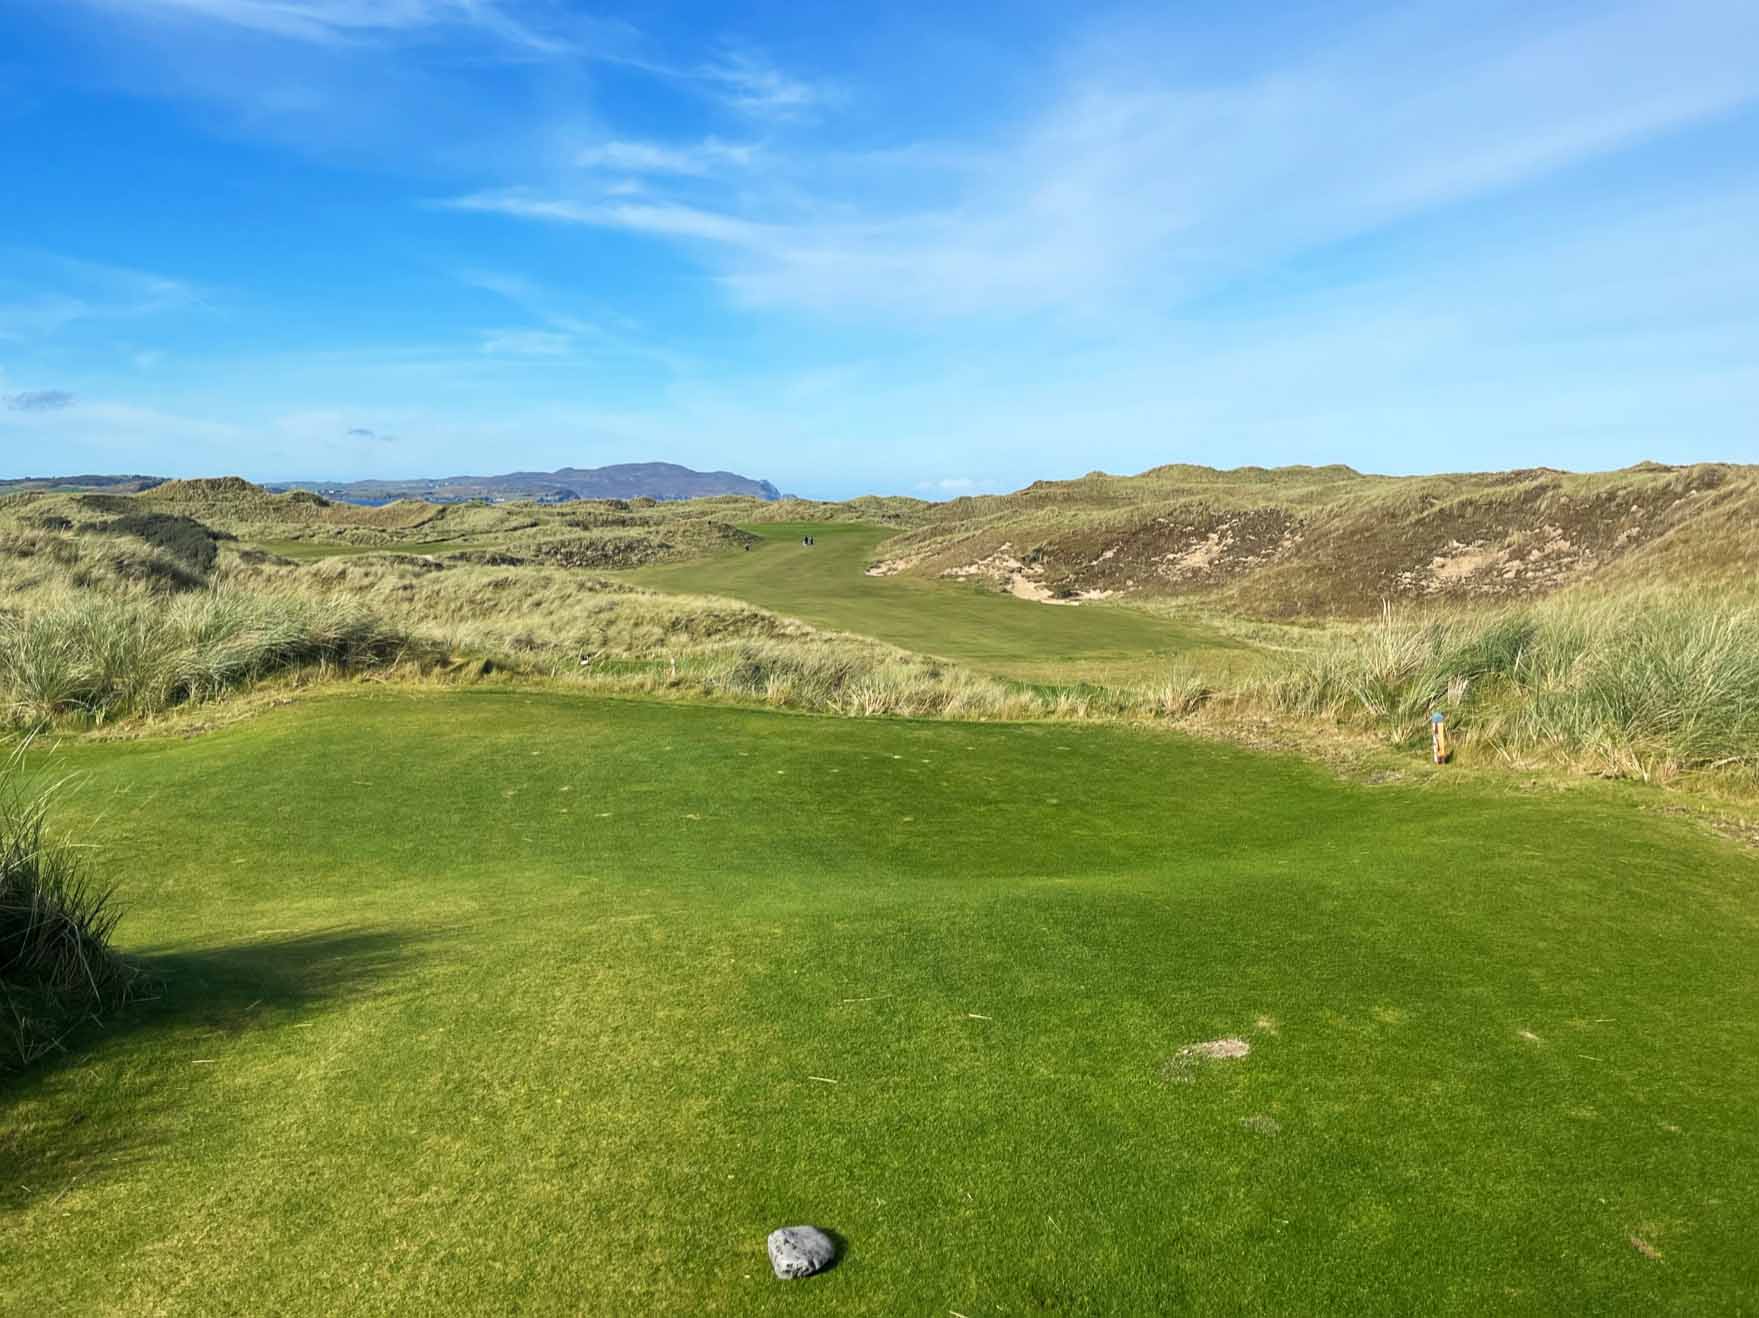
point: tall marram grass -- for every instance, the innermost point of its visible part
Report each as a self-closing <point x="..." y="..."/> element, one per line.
<point x="1648" y="684"/>
<point x="1638" y="685"/>
<point x="56" y="963"/>
<point x="96" y="657"/>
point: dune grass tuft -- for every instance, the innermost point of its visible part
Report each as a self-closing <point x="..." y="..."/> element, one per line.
<point x="96" y="657"/>
<point x="1649" y="685"/>
<point x="57" y="967"/>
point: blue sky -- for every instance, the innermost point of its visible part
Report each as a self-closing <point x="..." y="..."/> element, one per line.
<point x="916" y="249"/>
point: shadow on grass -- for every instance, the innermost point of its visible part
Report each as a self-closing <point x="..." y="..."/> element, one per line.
<point x="55" y="1133"/>
<point x="841" y="1244"/>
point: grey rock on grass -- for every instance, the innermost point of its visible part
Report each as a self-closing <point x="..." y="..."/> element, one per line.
<point x="800" y="1251"/>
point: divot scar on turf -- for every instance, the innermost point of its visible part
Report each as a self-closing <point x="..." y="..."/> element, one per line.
<point x="1181" y="1067"/>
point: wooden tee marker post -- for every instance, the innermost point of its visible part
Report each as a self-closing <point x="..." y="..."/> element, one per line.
<point x="1438" y="737"/>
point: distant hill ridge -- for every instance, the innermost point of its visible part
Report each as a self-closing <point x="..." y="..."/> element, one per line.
<point x="79" y="484"/>
<point x="628" y="480"/>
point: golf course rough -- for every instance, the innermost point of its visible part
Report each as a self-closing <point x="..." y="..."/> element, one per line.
<point x="466" y="993"/>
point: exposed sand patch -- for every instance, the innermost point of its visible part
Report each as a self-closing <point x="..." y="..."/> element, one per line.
<point x="1021" y="586"/>
<point x="1462" y="561"/>
<point x="1021" y="581"/>
<point x="1205" y="554"/>
<point x="890" y="567"/>
<point x="1181" y="1067"/>
<point x="1209" y="550"/>
<point x="1539" y="559"/>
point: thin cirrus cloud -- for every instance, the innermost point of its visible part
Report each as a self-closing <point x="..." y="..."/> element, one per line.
<point x="739" y="78"/>
<point x="1124" y="180"/>
<point x="664" y="219"/>
<point x="339" y="21"/>
<point x="68" y="291"/>
<point x="695" y="160"/>
<point x="751" y="84"/>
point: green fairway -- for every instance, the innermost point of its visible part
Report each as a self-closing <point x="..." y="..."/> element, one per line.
<point x="495" y="1002"/>
<point x="962" y="621"/>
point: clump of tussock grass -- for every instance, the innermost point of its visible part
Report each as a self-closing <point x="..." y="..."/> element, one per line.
<point x="183" y="538"/>
<point x="57" y="966"/>
<point x="822" y="672"/>
<point x="96" y="657"/>
<point x="1184" y="693"/>
<point x="1648" y="686"/>
<point x="35" y="562"/>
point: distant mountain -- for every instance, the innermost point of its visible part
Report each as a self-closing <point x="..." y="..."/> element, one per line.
<point x="629" y="480"/>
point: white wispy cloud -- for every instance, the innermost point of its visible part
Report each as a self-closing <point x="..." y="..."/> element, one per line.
<point x="665" y="219"/>
<point x="948" y="485"/>
<point x="45" y="293"/>
<point x="535" y="300"/>
<point x="334" y="21"/>
<point x="695" y="159"/>
<point x="105" y="435"/>
<point x="1128" y="184"/>
<point x="562" y="328"/>
<point x="750" y="83"/>
<point x="425" y="82"/>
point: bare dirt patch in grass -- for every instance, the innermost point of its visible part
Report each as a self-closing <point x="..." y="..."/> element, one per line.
<point x="1644" y="1248"/>
<point x="1181" y="1067"/>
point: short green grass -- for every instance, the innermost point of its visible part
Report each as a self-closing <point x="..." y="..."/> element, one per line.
<point x="498" y="1002"/>
<point x="827" y="586"/>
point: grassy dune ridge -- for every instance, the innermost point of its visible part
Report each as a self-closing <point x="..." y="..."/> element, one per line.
<point x="1303" y="542"/>
<point x="1645" y="682"/>
<point x="305" y="526"/>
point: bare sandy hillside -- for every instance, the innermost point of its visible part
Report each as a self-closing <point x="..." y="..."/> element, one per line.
<point x="1321" y="541"/>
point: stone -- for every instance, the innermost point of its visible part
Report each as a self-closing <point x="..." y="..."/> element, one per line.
<point x="800" y="1251"/>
